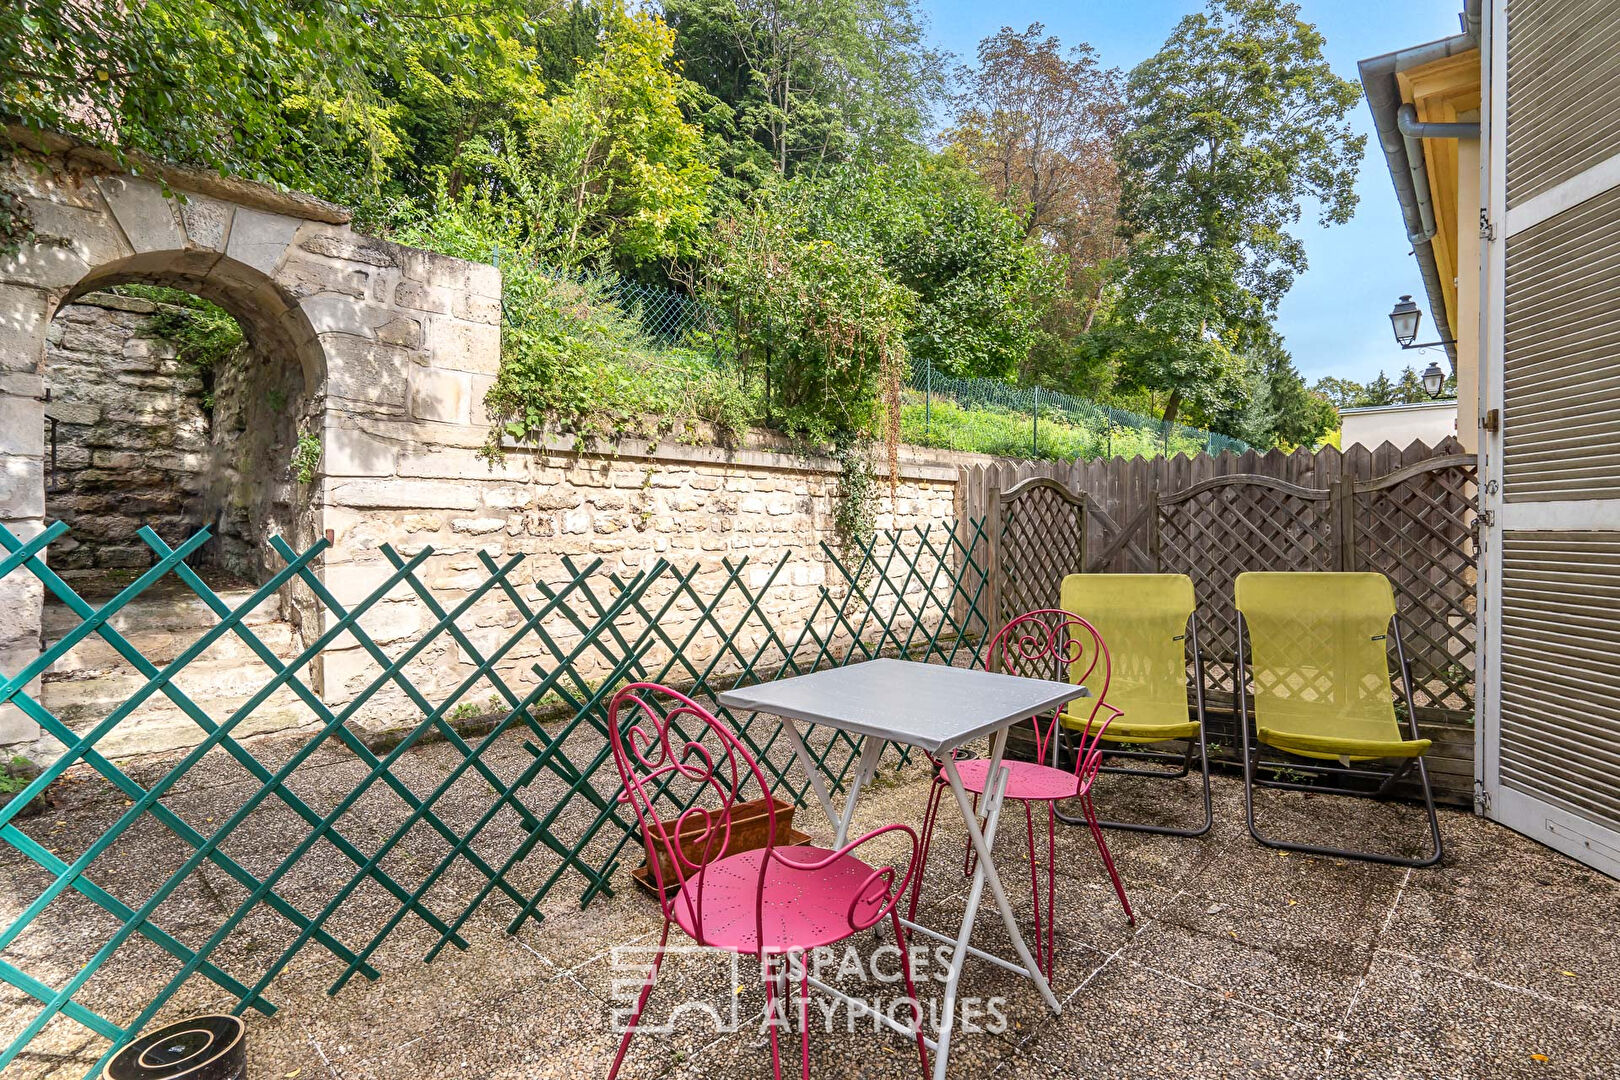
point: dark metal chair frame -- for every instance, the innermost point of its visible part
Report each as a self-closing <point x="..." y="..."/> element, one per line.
<point x="1185" y="759"/>
<point x="1252" y="762"/>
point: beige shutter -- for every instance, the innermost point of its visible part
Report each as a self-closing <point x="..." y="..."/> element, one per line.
<point x="1551" y="751"/>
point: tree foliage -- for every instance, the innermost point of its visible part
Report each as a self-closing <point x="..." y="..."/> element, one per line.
<point x="1040" y="125"/>
<point x="1407" y="389"/>
<point x="803" y="84"/>
<point x="1126" y="238"/>
<point x="1233" y="126"/>
<point x="821" y="327"/>
<point x="938" y="232"/>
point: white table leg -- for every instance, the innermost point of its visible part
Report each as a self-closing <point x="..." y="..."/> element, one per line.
<point x="988" y="867"/>
<point x="790" y="728"/>
<point x="871" y="751"/>
<point x="947" y="1016"/>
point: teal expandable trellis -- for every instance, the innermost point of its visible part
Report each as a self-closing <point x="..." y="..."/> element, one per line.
<point x="914" y="593"/>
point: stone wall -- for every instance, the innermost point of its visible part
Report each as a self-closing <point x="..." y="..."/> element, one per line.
<point x="131" y="438"/>
<point x="397" y="339"/>
<point x="630" y="506"/>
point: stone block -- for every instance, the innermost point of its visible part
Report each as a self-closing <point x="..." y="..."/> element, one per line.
<point x="477" y="526"/>
<point x="305" y="277"/>
<point x="366" y="371"/>
<point x="207" y="222"/>
<point x="43" y="266"/>
<point x="90" y="233"/>
<point x="260" y="240"/>
<point x="419" y="296"/>
<point x="347" y="451"/>
<point x="403" y="495"/>
<point x="465" y="346"/>
<point x="478" y="309"/>
<point x="148" y="218"/>
<point x="338" y="242"/>
<point x="344" y="314"/>
<point x="440" y="395"/>
<point x="484" y="279"/>
<point x="508" y="497"/>
<point x="401" y="330"/>
<point x="22" y="425"/>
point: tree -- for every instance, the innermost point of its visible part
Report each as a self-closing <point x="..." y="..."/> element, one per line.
<point x="1340" y="393"/>
<point x="937" y="231"/>
<point x="821" y="325"/>
<point x="1282" y="411"/>
<point x="296" y="94"/>
<point x="1378" y="392"/>
<point x="802" y="84"/>
<point x="1233" y="125"/>
<point x="1040" y="128"/>
<point x="624" y="166"/>
<point x="1039" y="124"/>
<point x="608" y="167"/>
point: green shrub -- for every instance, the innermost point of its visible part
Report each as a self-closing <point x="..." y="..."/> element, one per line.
<point x="571" y="359"/>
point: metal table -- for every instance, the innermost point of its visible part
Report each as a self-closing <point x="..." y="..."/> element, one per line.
<point x="937" y="709"/>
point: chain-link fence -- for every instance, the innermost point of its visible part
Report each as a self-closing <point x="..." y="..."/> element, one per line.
<point x="991" y="416"/>
<point x="980" y="415"/>
<point x="663" y="315"/>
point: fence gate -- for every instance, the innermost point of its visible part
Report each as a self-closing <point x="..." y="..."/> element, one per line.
<point x="1039" y="525"/>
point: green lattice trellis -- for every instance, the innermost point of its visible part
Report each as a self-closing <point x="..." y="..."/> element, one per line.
<point x="904" y="593"/>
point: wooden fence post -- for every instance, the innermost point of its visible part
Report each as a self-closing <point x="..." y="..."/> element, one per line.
<point x="992" y="523"/>
<point x="1153" y="528"/>
<point x="1342" y="507"/>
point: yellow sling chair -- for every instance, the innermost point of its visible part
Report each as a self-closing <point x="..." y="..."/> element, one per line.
<point x="1148" y="622"/>
<point x="1319" y="668"/>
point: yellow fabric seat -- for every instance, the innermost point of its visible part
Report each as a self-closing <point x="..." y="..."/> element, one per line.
<point x="1147" y="622"/>
<point x="1321" y="746"/>
<point x="1323" y="661"/>
<point x="1129" y="729"/>
<point x="1320" y="671"/>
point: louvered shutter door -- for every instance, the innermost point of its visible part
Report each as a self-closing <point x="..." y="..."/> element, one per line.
<point x="1554" y="769"/>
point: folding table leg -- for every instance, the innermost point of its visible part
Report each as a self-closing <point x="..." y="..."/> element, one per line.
<point x="871" y="751"/>
<point x="790" y="728"/>
<point x="947" y="1014"/>
<point x="993" y="879"/>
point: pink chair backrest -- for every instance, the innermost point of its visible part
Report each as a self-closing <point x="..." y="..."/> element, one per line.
<point x="1059" y="645"/>
<point x="672" y="753"/>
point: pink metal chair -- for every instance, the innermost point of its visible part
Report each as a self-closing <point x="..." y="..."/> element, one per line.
<point x="1058" y="645"/>
<point x="770" y="902"/>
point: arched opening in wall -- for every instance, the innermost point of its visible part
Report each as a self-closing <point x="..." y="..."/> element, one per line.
<point x="185" y="390"/>
<point x="165" y="412"/>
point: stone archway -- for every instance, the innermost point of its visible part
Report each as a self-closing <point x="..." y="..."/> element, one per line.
<point x="392" y="342"/>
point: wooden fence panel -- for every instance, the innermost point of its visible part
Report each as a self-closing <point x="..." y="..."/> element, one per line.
<point x="1408" y="513"/>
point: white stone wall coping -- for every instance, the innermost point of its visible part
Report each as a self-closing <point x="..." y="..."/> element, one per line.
<point x="674" y="452"/>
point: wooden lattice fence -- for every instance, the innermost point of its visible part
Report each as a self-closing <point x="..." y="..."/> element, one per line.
<point x="1409" y="514"/>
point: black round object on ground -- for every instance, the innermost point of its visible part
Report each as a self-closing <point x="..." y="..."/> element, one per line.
<point x="202" y="1048"/>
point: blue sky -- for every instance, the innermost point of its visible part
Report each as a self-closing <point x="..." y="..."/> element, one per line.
<point x="1336" y="319"/>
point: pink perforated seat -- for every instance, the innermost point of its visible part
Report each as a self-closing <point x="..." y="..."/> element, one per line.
<point x="803" y="908"/>
<point x="1026" y="780"/>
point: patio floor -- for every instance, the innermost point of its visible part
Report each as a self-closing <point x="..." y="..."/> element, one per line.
<point x="1502" y="962"/>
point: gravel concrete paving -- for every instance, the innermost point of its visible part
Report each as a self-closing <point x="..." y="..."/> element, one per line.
<point x="1245" y="962"/>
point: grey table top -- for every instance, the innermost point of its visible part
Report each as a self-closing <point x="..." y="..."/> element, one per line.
<point x="931" y="706"/>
